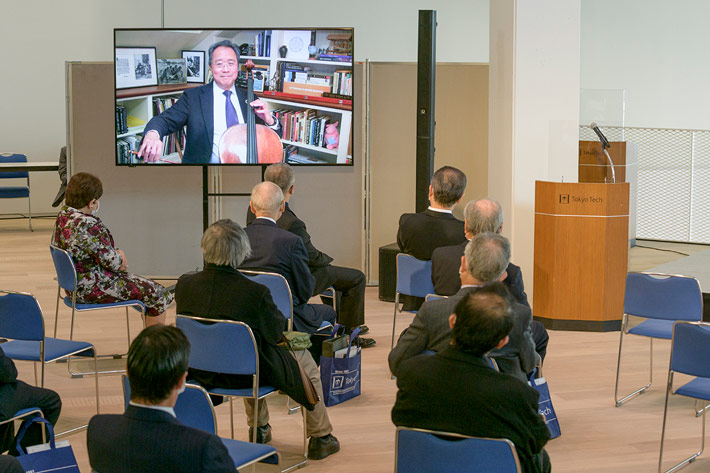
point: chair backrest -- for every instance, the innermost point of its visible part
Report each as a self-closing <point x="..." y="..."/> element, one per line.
<point x="413" y="276"/>
<point x="421" y="450"/>
<point x="220" y="346"/>
<point x="663" y="296"/>
<point x="13" y="158"/>
<point x="434" y="297"/>
<point x="193" y="407"/>
<point x="280" y="290"/>
<point x="20" y="316"/>
<point x="690" y="348"/>
<point x="64" y="266"/>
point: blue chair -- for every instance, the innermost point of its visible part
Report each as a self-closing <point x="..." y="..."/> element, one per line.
<point x="661" y="299"/>
<point x="434" y="297"/>
<point x="413" y="279"/>
<point x="421" y="450"/>
<point x="21" y="321"/>
<point x="690" y="350"/>
<point x="281" y="294"/>
<point x="194" y="409"/>
<point x="26" y="413"/>
<point x="16" y="192"/>
<point x="67" y="280"/>
<point x="228" y="347"/>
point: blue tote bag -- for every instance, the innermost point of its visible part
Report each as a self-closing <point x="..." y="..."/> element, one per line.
<point x="340" y="377"/>
<point x="55" y="459"/>
<point x="545" y="405"/>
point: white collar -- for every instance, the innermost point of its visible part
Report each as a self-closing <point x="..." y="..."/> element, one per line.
<point x="443" y="211"/>
<point x="169" y="410"/>
<point x="219" y="91"/>
<point x="268" y="218"/>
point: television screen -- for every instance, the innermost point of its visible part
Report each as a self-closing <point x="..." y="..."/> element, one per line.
<point x="183" y="96"/>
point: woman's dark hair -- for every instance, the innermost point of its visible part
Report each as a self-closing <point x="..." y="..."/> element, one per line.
<point x="82" y="188"/>
<point x="157" y="359"/>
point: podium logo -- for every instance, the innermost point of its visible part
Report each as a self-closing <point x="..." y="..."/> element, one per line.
<point x="564" y="198"/>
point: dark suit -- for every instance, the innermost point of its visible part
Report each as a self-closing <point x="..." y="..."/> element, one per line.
<point x="276" y="250"/>
<point x="195" y="108"/>
<point x="430" y="331"/>
<point x="144" y="440"/>
<point x="16" y="395"/>
<point x="349" y="283"/>
<point x="453" y="391"/>
<point x="221" y="292"/>
<point x="419" y="234"/>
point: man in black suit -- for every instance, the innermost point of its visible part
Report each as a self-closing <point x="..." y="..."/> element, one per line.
<point x="419" y="234"/>
<point x="207" y="111"/>
<point x="276" y="250"/>
<point x="349" y="283"/>
<point x="484" y="262"/>
<point x="484" y="215"/>
<point x="219" y="292"/>
<point x="456" y="390"/>
<point x="148" y="437"/>
<point x="15" y="395"/>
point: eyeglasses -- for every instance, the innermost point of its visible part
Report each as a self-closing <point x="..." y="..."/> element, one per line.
<point x="224" y="65"/>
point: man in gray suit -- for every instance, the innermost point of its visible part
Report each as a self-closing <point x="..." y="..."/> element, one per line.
<point x="484" y="261"/>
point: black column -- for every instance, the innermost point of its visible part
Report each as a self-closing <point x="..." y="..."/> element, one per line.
<point x="426" y="75"/>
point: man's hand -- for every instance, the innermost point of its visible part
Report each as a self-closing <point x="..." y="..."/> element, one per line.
<point x="261" y="109"/>
<point x="124" y="262"/>
<point x="152" y="147"/>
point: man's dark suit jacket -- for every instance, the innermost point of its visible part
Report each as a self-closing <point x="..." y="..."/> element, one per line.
<point x="316" y="258"/>
<point x="276" y="250"/>
<point x="445" y="265"/>
<point x="454" y="391"/>
<point x="419" y="234"/>
<point x="195" y="108"/>
<point x="146" y="440"/>
<point x="223" y="293"/>
<point x="430" y="331"/>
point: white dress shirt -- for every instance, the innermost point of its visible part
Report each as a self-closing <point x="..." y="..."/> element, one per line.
<point x="220" y="117"/>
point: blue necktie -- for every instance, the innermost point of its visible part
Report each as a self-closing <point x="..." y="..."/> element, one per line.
<point x="230" y="112"/>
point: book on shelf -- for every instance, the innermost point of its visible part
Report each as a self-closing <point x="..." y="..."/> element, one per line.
<point x="124" y="146"/>
<point x="335" y="57"/>
<point x="300" y="159"/>
<point x="342" y="82"/>
<point x="302" y="126"/>
<point x="121" y="120"/>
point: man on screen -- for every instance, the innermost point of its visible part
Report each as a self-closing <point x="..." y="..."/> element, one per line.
<point x="207" y="111"/>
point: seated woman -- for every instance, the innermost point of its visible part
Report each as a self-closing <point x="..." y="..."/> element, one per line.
<point x="100" y="266"/>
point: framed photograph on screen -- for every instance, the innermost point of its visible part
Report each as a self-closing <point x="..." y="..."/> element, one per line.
<point x="136" y="67"/>
<point x="172" y="71"/>
<point x="195" y="65"/>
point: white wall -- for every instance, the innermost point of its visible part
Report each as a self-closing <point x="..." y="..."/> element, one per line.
<point x="657" y="51"/>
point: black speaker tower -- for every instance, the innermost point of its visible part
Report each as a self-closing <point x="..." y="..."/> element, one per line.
<point x="426" y="75"/>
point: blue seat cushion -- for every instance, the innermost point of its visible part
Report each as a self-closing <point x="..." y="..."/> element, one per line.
<point x="247" y="392"/>
<point x="54" y="348"/>
<point x="80" y="307"/>
<point x="654" y="328"/>
<point x="245" y="452"/>
<point x="14" y="192"/>
<point x="698" y="388"/>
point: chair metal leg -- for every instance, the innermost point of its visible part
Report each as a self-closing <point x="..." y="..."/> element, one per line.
<point x="29" y="205"/>
<point x="128" y="328"/>
<point x="231" y="418"/>
<point x="619" y="402"/>
<point x="394" y="318"/>
<point x="96" y="380"/>
<point x="56" y="312"/>
<point x="255" y="415"/>
<point x="699" y="412"/>
<point x="34" y="367"/>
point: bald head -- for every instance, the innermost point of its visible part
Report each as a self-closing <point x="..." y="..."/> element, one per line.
<point x="267" y="200"/>
<point x="484" y="215"/>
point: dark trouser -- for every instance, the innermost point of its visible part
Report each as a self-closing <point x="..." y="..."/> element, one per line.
<point x="349" y="285"/>
<point x="20" y="395"/>
<point x="8" y="464"/>
<point x="540" y="337"/>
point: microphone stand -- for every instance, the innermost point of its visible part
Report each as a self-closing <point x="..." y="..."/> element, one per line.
<point x="611" y="163"/>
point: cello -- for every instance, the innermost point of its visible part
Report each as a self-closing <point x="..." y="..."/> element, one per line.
<point x="250" y="143"/>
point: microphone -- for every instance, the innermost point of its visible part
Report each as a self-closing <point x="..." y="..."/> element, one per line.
<point x="602" y="138"/>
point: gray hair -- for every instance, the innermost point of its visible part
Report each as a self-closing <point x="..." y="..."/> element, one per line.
<point x="280" y="174"/>
<point x="224" y="43"/>
<point x="484" y="215"/>
<point x="225" y="243"/>
<point x="487" y="256"/>
<point x="448" y="184"/>
<point x="266" y="197"/>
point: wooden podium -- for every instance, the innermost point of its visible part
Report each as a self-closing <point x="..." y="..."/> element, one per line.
<point x="581" y="254"/>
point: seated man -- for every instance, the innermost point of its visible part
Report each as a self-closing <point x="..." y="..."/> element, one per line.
<point x="279" y="251"/>
<point x="457" y="391"/>
<point x="480" y="216"/>
<point x="484" y="262"/>
<point x="16" y="395"/>
<point x="348" y="283"/>
<point x="419" y="234"/>
<point x="148" y="437"/>
<point x="220" y="291"/>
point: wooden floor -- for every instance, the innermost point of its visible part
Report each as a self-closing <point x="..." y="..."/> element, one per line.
<point x="579" y="367"/>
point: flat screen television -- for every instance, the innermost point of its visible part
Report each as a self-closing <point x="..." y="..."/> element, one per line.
<point x="165" y="92"/>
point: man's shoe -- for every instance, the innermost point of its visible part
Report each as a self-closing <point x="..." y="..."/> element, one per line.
<point x="263" y="434"/>
<point x="363" y="329"/>
<point x="321" y="447"/>
<point x="366" y="342"/>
